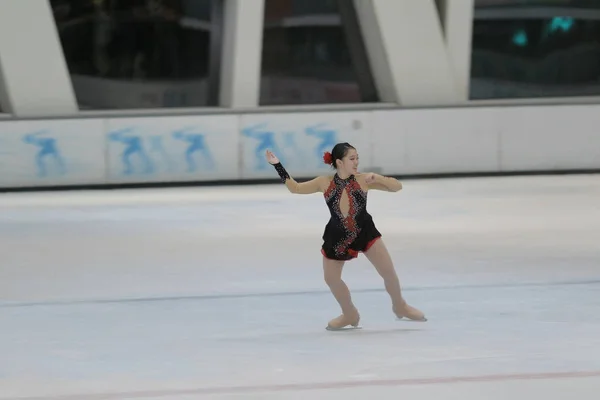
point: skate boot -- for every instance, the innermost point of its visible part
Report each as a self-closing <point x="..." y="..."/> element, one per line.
<point x="404" y="310"/>
<point x="344" y="321"/>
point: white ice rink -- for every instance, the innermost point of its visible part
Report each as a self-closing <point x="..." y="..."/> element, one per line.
<point x="217" y="293"/>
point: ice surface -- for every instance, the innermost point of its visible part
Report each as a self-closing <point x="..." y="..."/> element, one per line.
<point x="218" y="293"/>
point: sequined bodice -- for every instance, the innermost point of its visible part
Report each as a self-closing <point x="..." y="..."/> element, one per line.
<point x="346" y="200"/>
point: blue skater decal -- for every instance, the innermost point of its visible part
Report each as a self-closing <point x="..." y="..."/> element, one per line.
<point x="266" y="141"/>
<point x="48" y="150"/>
<point x="196" y="144"/>
<point x="133" y="146"/>
<point x="327" y="137"/>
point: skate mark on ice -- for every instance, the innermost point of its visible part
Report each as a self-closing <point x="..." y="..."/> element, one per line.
<point x="312" y="386"/>
<point x="14" y="304"/>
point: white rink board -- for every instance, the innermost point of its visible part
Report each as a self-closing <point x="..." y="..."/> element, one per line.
<point x="550" y="138"/>
<point x="51" y="152"/>
<point x="299" y="140"/>
<point x="436" y="141"/>
<point x="163" y="149"/>
<point x="232" y="147"/>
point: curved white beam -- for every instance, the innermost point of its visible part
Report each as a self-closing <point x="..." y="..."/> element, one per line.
<point x="241" y="53"/>
<point x="34" y="76"/>
<point x="410" y="56"/>
<point x="457" y="18"/>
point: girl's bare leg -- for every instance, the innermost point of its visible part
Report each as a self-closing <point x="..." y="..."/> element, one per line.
<point x="332" y="270"/>
<point x="379" y="256"/>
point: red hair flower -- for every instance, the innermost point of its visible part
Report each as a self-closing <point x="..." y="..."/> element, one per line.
<point x="328" y="158"/>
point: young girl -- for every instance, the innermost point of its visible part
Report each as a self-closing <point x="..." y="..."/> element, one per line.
<point x="350" y="229"/>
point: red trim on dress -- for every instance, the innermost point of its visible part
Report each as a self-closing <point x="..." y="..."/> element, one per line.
<point x="353" y="253"/>
<point x="371" y="243"/>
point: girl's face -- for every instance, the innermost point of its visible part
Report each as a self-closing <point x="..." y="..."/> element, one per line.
<point x="349" y="164"/>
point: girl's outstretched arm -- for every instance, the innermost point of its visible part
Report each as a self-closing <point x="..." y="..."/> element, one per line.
<point x="315" y="185"/>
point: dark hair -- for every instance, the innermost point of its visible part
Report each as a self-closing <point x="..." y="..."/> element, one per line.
<point x="338" y="152"/>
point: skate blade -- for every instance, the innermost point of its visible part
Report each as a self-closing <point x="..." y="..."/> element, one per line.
<point x="404" y="319"/>
<point x="346" y="328"/>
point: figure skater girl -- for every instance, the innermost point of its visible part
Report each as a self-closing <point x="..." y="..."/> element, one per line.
<point x="350" y="229"/>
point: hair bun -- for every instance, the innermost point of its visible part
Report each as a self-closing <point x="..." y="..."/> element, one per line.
<point x="327" y="158"/>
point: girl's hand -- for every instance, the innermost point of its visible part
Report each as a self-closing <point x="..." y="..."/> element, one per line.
<point x="370" y="178"/>
<point x="271" y="157"/>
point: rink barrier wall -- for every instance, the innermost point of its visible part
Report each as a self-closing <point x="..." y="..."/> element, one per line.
<point x="221" y="148"/>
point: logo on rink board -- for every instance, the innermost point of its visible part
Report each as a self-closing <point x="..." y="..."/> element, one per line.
<point x="48" y="158"/>
<point x="292" y="148"/>
<point x="183" y="150"/>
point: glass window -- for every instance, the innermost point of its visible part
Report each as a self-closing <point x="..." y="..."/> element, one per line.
<point x="311" y="54"/>
<point x="131" y="54"/>
<point x="535" y="48"/>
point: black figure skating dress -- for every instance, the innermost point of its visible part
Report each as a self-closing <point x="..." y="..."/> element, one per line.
<point x="350" y="229"/>
<point x="347" y="234"/>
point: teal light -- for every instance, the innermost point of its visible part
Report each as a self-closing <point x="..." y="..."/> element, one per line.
<point x="563" y="24"/>
<point x="520" y="38"/>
